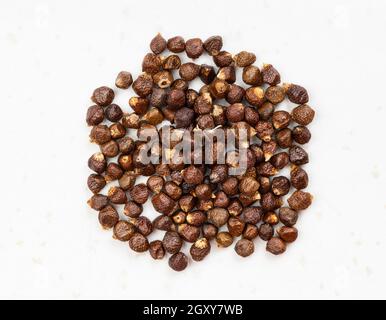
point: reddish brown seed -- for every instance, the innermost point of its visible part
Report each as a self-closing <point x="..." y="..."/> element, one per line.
<point x="303" y="114"/>
<point x="251" y="116"/>
<point x="189" y="71"/>
<point x="191" y="97"/>
<point x="218" y="216"/>
<point x="139" y="193"/>
<point x="127" y="181"/>
<point x="235" y="112"/>
<point x="103" y="96"/>
<point x="178" y="262"/>
<point x="180" y="84"/>
<point x="264" y="130"/>
<point x="108" y="217"/>
<point x="288" y="216"/>
<point x="271" y="218"/>
<point x="139" y="243"/>
<point x="97" y="162"/>
<point x="163" y="223"/>
<point x="156" y="250"/>
<point x="143" y="85"/>
<point x="163" y="79"/>
<point x="219" y="88"/>
<point x="235" y="94"/>
<point x="300" y="200"/>
<point x="194" y="48"/>
<point x="158" y="98"/>
<point x="203" y="104"/>
<point x="280" y="186"/>
<point x="218" y="173"/>
<point x="172" y="242"/>
<point x="117" y="130"/>
<point x="151" y="64"/>
<point x="186" y="202"/>
<point x="205" y="121"/>
<point x="270" y="75"/>
<point x="284" y="138"/>
<point x="98" y="202"/>
<point x="235" y="226"/>
<point x="276" y="246"/>
<point x="130" y="121"/>
<point x="188" y="232"/>
<point x="193" y="175"/>
<point x="299" y="178"/>
<point x="227" y="74"/>
<point x="235" y="207"/>
<point x="281" y="119"/>
<point x="298" y="155"/>
<point x="224" y="239"/>
<point x="230" y="186"/>
<point x="163" y="203"/>
<point x="175" y="99"/>
<point x="266" y="169"/>
<point x="266" y="110"/>
<point x="255" y="96"/>
<point x="252" y="215"/>
<point x="244" y="59"/>
<point x="123" y="230"/>
<point x="301" y="134"/>
<point x="275" y="94"/>
<point x="113" y="171"/>
<point x="100" y="134"/>
<point x="280" y="160"/>
<point x="124" y="80"/>
<point x="223" y="59"/>
<point x="110" y="149"/>
<point x="252" y="76"/>
<point x="96" y="183"/>
<point x="179" y="217"/>
<point x="95" y="115"/>
<point x="203" y="191"/>
<point x="176" y="44"/>
<point x="288" y="234"/>
<point x="221" y="200"/>
<point x="132" y="209"/>
<point x="200" y="249"/>
<point x="117" y="195"/>
<point x="139" y="105"/>
<point x="296" y="93"/>
<point x="213" y="45"/>
<point x="270" y="202"/>
<point x="249" y="186"/>
<point x="196" y="218"/>
<point x="209" y="231"/>
<point x="207" y="73"/>
<point x="266" y="231"/>
<point x="244" y="247"/>
<point x="172" y="190"/>
<point x="250" y="232"/>
<point x="155" y="184"/>
<point x="158" y="44"/>
<point x="265" y="185"/>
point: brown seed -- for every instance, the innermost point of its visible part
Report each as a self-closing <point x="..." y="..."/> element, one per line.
<point x="117" y="130"/>
<point x="191" y="97"/>
<point x="131" y="121"/>
<point x="230" y="186"/>
<point x="180" y="84"/>
<point x="249" y="200"/>
<point x="97" y="162"/>
<point x="266" y="231"/>
<point x="95" y="115"/>
<point x="186" y="203"/>
<point x="244" y="59"/>
<point x="276" y="246"/>
<point x="124" y="80"/>
<point x="303" y="115"/>
<point x="176" y="44"/>
<point x="244" y="247"/>
<point x="132" y="209"/>
<point x="266" y="169"/>
<point x="235" y="226"/>
<point x="156" y="250"/>
<point x="158" y="44"/>
<point x="300" y="200"/>
<point x="110" y="149"/>
<point x="209" y="231"/>
<point x="255" y="96"/>
<point x="196" y="218"/>
<point x="155" y="184"/>
<point x="172" y="190"/>
<point x="219" y="88"/>
<point x="280" y="160"/>
<point x="207" y="73"/>
<point x="158" y="98"/>
<point x="188" y="232"/>
<point x="100" y="134"/>
<point x="194" y="48"/>
<point x="284" y="138"/>
<point x="224" y="239"/>
<point x="270" y="75"/>
<point x="213" y="45"/>
<point x="270" y="202"/>
<point x="163" y="203"/>
<point x="221" y="200"/>
<point x="172" y="242"/>
<point x="143" y="225"/>
<point x="235" y="207"/>
<point x="301" y="134"/>
<point x="113" y="172"/>
<point x="139" y="105"/>
<point x="280" y="186"/>
<point x="96" y="183"/>
<point x="143" y="85"/>
<point x="288" y="234"/>
<point x="151" y="64"/>
<point x="271" y="218"/>
<point x="223" y="59"/>
<point x="108" y="217"/>
<point x="179" y="217"/>
<point x="200" y="249"/>
<point x="235" y="94"/>
<point x="252" y="76"/>
<point x="175" y="99"/>
<point x="203" y="191"/>
<point x="205" y="121"/>
<point x="127" y="181"/>
<point x="163" y="79"/>
<point x="249" y="186"/>
<point x="218" y="173"/>
<point x="266" y="110"/>
<point x="98" y="202"/>
<point x="251" y="116"/>
<point x="252" y="215"/>
<point x="258" y="152"/>
<point x="203" y="104"/>
<point x="163" y="223"/>
<point x="275" y="94"/>
<point x="103" y="96"/>
<point x="250" y="232"/>
<point x="288" y="216"/>
<point x="235" y="112"/>
<point x="218" y="216"/>
<point x="139" y="193"/>
<point x="178" y="262"/>
<point x="117" y="195"/>
<point x="296" y="93"/>
<point x="269" y="149"/>
<point x="172" y="62"/>
<point x="189" y="71"/>
<point x="299" y="178"/>
<point x="227" y="74"/>
<point x="193" y="175"/>
<point x="139" y="243"/>
<point x="154" y="117"/>
<point x="281" y="119"/>
<point x="123" y="230"/>
<point x="265" y="185"/>
<point x="298" y="155"/>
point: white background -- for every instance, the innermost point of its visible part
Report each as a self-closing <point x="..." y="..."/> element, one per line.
<point x="54" y="53"/>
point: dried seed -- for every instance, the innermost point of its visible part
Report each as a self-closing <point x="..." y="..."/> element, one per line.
<point x="123" y="230"/>
<point x="296" y="93"/>
<point x="175" y="98"/>
<point x="252" y="76"/>
<point x="280" y="160"/>
<point x="108" y="217"/>
<point x="266" y="231"/>
<point x="191" y="97"/>
<point x="300" y="200"/>
<point x="139" y="105"/>
<point x="95" y="115"/>
<point x="280" y="186"/>
<point x="251" y="116"/>
<point x="163" y="79"/>
<point x="284" y="138"/>
<point x="98" y="202"/>
<point x="270" y="75"/>
<point x="203" y="104"/>
<point x="132" y="209"/>
<point x="117" y="195"/>
<point x="281" y="119"/>
<point x="193" y="175"/>
<point x="255" y="96"/>
<point x="103" y="96"/>
<point x="288" y="234"/>
<point x="303" y="115"/>
<point x="139" y="243"/>
<point x="176" y="44"/>
<point x="100" y="134"/>
<point x="250" y="232"/>
<point x="276" y="246"/>
<point x="172" y="190"/>
<point x="288" y="216"/>
<point x="218" y="216"/>
<point x="186" y="203"/>
<point x="151" y="64"/>
<point x="227" y="74"/>
<point x="97" y="162"/>
<point x="244" y="59"/>
<point x="172" y="62"/>
<point x="207" y="73"/>
<point x="131" y="121"/>
<point x="158" y="44"/>
<point x="110" y="149"/>
<point x="213" y="45"/>
<point x="235" y="207"/>
<point x="209" y="231"/>
<point x="224" y="239"/>
<point x="235" y="112"/>
<point x="96" y="183"/>
<point x="270" y="202"/>
<point x="235" y="94"/>
<point x="275" y="94"/>
<point x="301" y="134"/>
<point x="127" y="181"/>
<point x="143" y="85"/>
<point x="298" y="155"/>
<point x="113" y="172"/>
<point x="188" y="232"/>
<point x="299" y="178"/>
<point x="219" y="88"/>
<point x="266" y="110"/>
<point x="163" y="223"/>
<point x="266" y="169"/>
<point x="223" y="59"/>
<point x="200" y="249"/>
<point x="156" y="250"/>
<point x="252" y="215"/>
<point x="155" y="184"/>
<point x="235" y="226"/>
<point x="139" y="193"/>
<point x="178" y="261"/>
<point x="124" y="80"/>
<point x="189" y="71"/>
<point x="244" y="247"/>
<point x="248" y="186"/>
<point x="117" y="130"/>
<point x="194" y="48"/>
<point x="163" y="203"/>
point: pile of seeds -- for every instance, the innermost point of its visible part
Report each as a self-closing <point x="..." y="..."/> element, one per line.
<point x="199" y="203"/>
